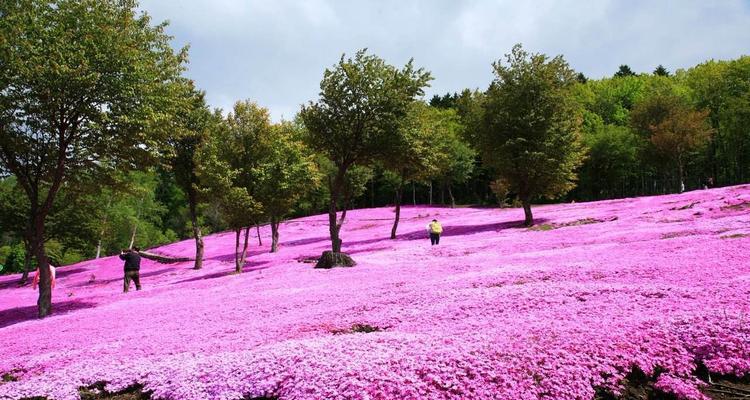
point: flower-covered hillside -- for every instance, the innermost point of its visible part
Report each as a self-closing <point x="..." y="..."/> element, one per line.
<point x="496" y="311"/>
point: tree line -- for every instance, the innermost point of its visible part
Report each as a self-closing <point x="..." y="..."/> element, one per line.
<point x="104" y="144"/>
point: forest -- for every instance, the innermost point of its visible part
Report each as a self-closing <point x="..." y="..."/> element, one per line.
<point x="97" y="156"/>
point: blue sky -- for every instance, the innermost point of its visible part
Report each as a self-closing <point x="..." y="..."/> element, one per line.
<point x="274" y="51"/>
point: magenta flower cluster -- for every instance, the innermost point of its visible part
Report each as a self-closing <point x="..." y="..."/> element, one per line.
<point x="496" y="311"/>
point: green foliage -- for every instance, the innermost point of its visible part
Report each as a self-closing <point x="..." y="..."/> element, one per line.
<point x="285" y="170"/>
<point x="532" y="125"/>
<point x="612" y="161"/>
<point x="362" y="102"/>
<point x="356" y="122"/>
<point x="624" y="71"/>
<point x="226" y="164"/>
<point x="661" y="71"/>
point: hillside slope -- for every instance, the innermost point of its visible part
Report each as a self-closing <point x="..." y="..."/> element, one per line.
<point x="495" y="311"/>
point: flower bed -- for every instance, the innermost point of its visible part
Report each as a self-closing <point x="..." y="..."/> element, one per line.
<point x="495" y="311"/>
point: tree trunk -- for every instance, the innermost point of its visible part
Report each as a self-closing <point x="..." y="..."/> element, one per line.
<point x="237" y="264"/>
<point x="414" y="193"/>
<point x="333" y="225"/>
<point x="442" y="194"/>
<point x="44" y="303"/>
<point x="430" y="192"/>
<point x="244" y="248"/>
<point x="196" y="231"/>
<point x="274" y="234"/>
<point x="399" y="191"/>
<point x="257" y="231"/>
<point x="529" y="220"/>
<point x="132" y="236"/>
<point x="450" y="194"/>
<point x="26" y="263"/>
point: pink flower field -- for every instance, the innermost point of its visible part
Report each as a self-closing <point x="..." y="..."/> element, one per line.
<point x="497" y="311"/>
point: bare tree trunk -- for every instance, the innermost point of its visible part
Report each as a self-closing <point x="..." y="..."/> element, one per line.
<point x="196" y="231"/>
<point x="237" y="264"/>
<point x="399" y="191"/>
<point x="274" y="234"/>
<point x="244" y="248"/>
<point x="333" y="224"/>
<point x="529" y="218"/>
<point x="99" y="248"/>
<point x="135" y="226"/>
<point x="44" y="303"/>
<point x="430" y="192"/>
<point x="450" y="194"/>
<point x="257" y="231"/>
<point x="414" y="193"/>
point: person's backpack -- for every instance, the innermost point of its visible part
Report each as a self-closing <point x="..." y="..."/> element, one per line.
<point x="436" y="227"/>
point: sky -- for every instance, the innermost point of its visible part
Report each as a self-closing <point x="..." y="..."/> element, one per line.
<point x="274" y="52"/>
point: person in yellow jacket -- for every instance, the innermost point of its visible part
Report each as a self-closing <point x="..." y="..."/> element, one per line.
<point x="435" y="230"/>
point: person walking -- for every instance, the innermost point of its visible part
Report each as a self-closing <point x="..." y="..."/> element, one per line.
<point x="132" y="268"/>
<point x="435" y="230"/>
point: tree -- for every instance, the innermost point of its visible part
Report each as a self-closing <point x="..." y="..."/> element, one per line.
<point x="624" y="71"/>
<point x="531" y="126"/>
<point x="285" y="172"/>
<point x="412" y="155"/>
<point x="194" y="127"/>
<point x="661" y="71"/>
<point x="355" y="121"/>
<point x="673" y="127"/>
<point x="581" y="78"/>
<point x="227" y="167"/>
<point x="455" y="158"/>
<point x="83" y="84"/>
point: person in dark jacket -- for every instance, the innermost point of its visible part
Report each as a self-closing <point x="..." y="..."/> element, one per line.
<point x="132" y="268"/>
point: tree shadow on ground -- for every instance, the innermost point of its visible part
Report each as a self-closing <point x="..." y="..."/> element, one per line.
<point x="17" y="315"/>
<point x="119" y="279"/>
<point x="230" y="256"/>
<point x="249" y="267"/>
<point x="451" y="230"/>
<point x="302" y="242"/>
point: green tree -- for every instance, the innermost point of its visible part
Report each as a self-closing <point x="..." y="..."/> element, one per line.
<point x="285" y="172"/>
<point x="412" y="156"/>
<point x="624" y="71"/>
<point x="355" y="121"/>
<point x="531" y="126"/>
<point x="226" y="168"/>
<point x="661" y="71"/>
<point x="455" y="158"/>
<point x="194" y="126"/>
<point x="83" y="84"/>
<point x="673" y="127"/>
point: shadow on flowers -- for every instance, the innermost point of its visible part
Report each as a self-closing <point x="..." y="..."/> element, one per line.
<point x="17" y="315"/>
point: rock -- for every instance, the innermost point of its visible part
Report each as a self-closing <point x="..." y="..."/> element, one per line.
<point x="330" y="259"/>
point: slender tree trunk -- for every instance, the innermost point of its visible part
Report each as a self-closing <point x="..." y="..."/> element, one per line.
<point x="442" y="194"/>
<point x="244" y="248"/>
<point x="257" y="232"/>
<point x="333" y="225"/>
<point x="237" y="264"/>
<point x="135" y="225"/>
<point x="274" y="234"/>
<point x="26" y="262"/>
<point x="430" y="192"/>
<point x="414" y="194"/>
<point x="450" y="194"/>
<point x="399" y="191"/>
<point x="529" y="218"/>
<point x="193" y="206"/>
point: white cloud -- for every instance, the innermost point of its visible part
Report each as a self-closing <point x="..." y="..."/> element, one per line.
<point x="274" y="52"/>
